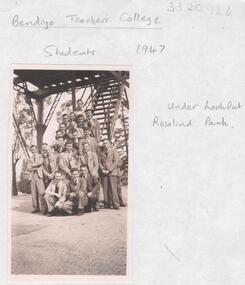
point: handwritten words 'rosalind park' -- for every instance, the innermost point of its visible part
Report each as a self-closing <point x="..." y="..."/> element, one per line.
<point x="221" y="109"/>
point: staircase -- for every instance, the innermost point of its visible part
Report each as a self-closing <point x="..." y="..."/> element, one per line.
<point x="106" y="105"/>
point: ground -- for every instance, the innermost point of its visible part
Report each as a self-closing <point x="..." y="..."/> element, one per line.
<point x="92" y="244"/>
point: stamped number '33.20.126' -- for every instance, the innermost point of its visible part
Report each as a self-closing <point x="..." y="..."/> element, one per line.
<point x="149" y="49"/>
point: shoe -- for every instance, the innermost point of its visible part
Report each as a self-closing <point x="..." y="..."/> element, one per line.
<point x="50" y="214"/>
<point x="123" y="205"/>
<point x="34" y="211"/>
<point x="80" y="212"/>
<point x="116" y="208"/>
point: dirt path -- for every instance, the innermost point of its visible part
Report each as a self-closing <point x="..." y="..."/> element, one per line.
<point x="94" y="243"/>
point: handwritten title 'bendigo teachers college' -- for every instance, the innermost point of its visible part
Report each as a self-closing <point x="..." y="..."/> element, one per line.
<point x="74" y="19"/>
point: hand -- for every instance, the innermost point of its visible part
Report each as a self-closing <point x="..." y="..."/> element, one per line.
<point x="72" y="195"/>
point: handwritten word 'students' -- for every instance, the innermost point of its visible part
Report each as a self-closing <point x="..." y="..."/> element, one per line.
<point x="53" y="50"/>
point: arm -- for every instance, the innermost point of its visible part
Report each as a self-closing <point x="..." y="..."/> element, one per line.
<point x="83" y="185"/>
<point x="96" y="185"/>
<point x="62" y="165"/>
<point x="63" y="192"/>
<point x="47" y="174"/>
<point x="38" y="163"/>
<point x="115" y="161"/>
<point x="95" y="163"/>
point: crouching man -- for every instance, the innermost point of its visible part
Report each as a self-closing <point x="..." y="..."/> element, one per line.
<point x="92" y="190"/>
<point x="55" y="194"/>
<point x="77" y="197"/>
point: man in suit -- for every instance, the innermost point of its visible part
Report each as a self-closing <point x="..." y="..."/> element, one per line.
<point x="119" y="187"/>
<point x="109" y="161"/>
<point x="92" y="189"/>
<point x="35" y="166"/>
<point x="77" y="197"/>
<point x="89" y="159"/>
<point x="90" y="140"/>
<point x="94" y="125"/>
<point x="55" y="194"/>
<point x="49" y="164"/>
<point x="67" y="160"/>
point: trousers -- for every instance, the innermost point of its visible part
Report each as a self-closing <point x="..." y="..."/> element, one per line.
<point x="37" y="193"/>
<point x="110" y="184"/>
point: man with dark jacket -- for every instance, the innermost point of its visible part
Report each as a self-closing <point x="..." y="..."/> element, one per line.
<point x="109" y="161"/>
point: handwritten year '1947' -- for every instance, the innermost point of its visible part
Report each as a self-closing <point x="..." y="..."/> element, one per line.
<point x="149" y="49"/>
<point x="178" y="6"/>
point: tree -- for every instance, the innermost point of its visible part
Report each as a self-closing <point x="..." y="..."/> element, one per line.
<point x="23" y="135"/>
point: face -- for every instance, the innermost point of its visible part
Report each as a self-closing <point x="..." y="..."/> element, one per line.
<point x="62" y="127"/>
<point x="60" y="141"/>
<point x="87" y="133"/>
<point x="65" y="119"/>
<point x="75" y="135"/>
<point x="33" y="150"/>
<point x="84" y="171"/>
<point x="80" y="104"/>
<point x="85" y="147"/>
<point x="69" y="147"/>
<point x="80" y="121"/>
<point x="58" y="176"/>
<point x="89" y="115"/>
<point x="72" y="116"/>
<point x="58" y="134"/>
<point x="106" y="144"/>
<point x="75" y="174"/>
<point x="44" y="151"/>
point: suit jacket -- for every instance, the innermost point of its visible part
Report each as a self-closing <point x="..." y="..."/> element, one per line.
<point x="95" y="128"/>
<point x="35" y="165"/>
<point x="67" y="161"/>
<point x="93" y="164"/>
<point x="53" y="166"/>
<point x="59" y="188"/>
<point x="110" y="161"/>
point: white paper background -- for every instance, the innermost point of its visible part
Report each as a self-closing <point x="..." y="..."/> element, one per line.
<point x="199" y="213"/>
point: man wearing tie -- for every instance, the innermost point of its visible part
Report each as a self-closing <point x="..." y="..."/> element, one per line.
<point x="109" y="161"/>
<point x="67" y="160"/>
<point x="94" y="125"/>
<point x="55" y="194"/>
<point x="92" y="190"/>
<point x="89" y="159"/>
<point x="90" y="140"/>
<point x="37" y="184"/>
<point x="77" y="197"/>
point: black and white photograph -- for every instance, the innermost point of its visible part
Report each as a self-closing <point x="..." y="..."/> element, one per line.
<point x="70" y="148"/>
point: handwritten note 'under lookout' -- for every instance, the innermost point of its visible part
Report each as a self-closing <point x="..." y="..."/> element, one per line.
<point x="213" y="115"/>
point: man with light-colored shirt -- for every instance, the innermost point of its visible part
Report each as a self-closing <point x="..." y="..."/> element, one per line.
<point x="35" y="166"/>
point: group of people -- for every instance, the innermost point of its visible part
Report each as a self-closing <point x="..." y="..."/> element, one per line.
<point x="66" y="175"/>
